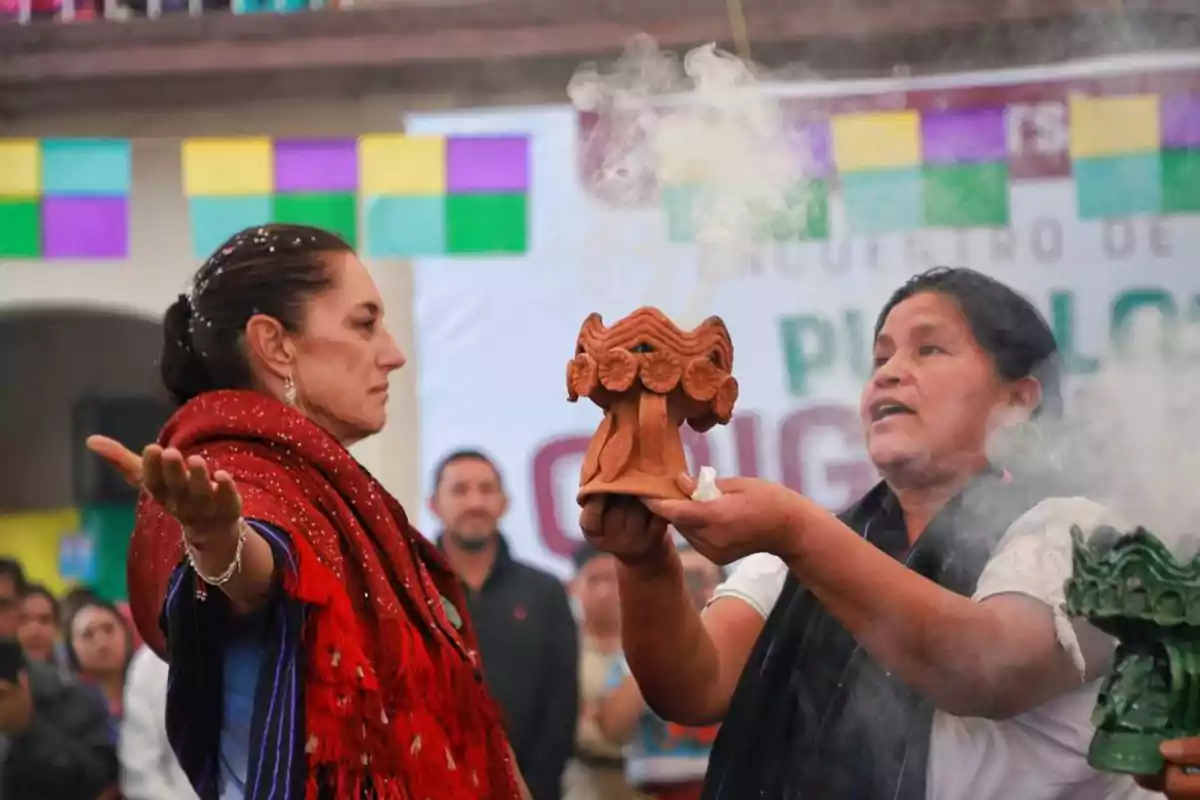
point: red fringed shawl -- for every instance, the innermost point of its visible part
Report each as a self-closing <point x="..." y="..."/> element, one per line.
<point x="392" y="697"/>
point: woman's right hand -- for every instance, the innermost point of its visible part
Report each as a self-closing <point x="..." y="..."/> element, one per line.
<point x="205" y="505"/>
<point x="625" y="528"/>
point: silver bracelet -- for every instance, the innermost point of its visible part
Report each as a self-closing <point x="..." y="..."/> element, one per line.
<point x="234" y="567"/>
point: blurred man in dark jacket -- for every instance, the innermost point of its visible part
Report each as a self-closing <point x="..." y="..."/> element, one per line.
<point x="54" y="735"/>
<point x="527" y="636"/>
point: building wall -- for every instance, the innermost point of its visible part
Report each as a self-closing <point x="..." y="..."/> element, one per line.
<point x="161" y="261"/>
<point x="44" y="365"/>
<point x="50" y="359"/>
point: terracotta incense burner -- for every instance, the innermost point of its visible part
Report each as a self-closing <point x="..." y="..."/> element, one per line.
<point x="649" y="377"/>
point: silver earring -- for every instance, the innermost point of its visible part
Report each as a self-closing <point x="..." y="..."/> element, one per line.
<point x="289" y="391"/>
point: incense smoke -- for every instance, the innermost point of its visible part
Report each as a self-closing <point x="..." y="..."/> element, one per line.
<point x="1130" y="435"/>
<point x="1131" y="438"/>
<point x="710" y="122"/>
<point x="704" y="129"/>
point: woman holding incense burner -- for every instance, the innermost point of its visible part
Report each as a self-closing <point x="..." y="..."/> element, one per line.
<point x="913" y="646"/>
<point x="318" y="645"/>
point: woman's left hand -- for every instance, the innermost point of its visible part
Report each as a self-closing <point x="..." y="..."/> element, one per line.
<point x="751" y="516"/>
<point x="1180" y="779"/>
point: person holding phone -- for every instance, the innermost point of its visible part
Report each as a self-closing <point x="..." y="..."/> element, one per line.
<point x="54" y="738"/>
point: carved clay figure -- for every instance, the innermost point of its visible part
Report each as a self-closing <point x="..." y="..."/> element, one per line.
<point x="649" y="377"/>
<point x="1130" y="586"/>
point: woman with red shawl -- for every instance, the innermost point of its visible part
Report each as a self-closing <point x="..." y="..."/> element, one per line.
<point x="319" y="646"/>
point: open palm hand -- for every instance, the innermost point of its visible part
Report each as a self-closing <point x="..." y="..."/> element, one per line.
<point x="198" y="500"/>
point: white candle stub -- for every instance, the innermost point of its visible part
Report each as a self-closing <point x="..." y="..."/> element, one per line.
<point x="706" y="485"/>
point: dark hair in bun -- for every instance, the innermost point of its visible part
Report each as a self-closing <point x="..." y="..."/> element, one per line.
<point x="183" y="372"/>
<point x="271" y="270"/>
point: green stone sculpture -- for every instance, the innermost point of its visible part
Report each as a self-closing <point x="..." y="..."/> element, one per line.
<point x="1130" y="586"/>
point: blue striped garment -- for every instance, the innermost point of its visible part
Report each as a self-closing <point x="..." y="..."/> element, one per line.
<point x="235" y="715"/>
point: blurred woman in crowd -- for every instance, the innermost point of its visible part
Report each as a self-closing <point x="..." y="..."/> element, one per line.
<point x="914" y="646"/>
<point x="99" y="647"/>
<point x="318" y="645"/>
<point x="75" y="597"/>
<point x="665" y="761"/>
<point x="39" y="631"/>
<point x="597" y="768"/>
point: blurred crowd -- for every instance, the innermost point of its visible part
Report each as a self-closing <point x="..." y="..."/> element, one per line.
<point x="84" y="715"/>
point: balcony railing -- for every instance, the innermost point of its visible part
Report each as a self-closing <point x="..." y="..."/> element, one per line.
<point x="396" y="40"/>
<point x="32" y="12"/>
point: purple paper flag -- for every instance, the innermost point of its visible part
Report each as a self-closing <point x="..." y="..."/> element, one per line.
<point x="316" y="165"/>
<point x="813" y="148"/>
<point x="487" y="164"/>
<point x="85" y="227"/>
<point x="969" y="136"/>
<point x="809" y="139"/>
<point x="1180" y="120"/>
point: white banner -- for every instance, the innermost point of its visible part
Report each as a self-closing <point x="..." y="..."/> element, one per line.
<point x="494" y="334"/>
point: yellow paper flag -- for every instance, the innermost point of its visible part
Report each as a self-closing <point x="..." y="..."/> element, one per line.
<point x="1114" y="126"/>
<point x="401" y="165"/>
<point x="883" y="140"/>
<point x="232" y="167"/>
<point x="20" y="168"/>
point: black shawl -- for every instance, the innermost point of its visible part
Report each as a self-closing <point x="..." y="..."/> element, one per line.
<point x="816" y="718"/>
